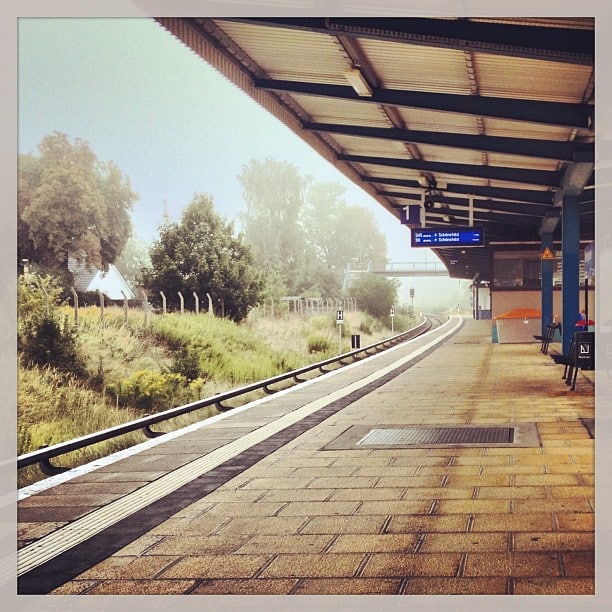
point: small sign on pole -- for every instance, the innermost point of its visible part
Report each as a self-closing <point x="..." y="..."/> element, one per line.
<point x="339" y="317"/>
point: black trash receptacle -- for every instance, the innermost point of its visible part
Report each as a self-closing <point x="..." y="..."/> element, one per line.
<point x="584" y="347"/>
<point x="355" y="341"/>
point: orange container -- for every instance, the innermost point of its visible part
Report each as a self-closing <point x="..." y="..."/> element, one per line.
<point x="519" y="325"/>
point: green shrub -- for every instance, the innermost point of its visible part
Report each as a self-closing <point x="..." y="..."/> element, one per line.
<point x="369" y="325"/>
<point x="187" y="362"/>
<point x="318" y="344"/>
<point x="42" y="341"/>
<point x="147" y="390"/>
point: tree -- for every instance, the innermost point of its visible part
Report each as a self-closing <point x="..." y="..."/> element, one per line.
<point x="133" y="259"/>
<point x="200" y="254"/>
<point x="375" y="294"/>
<point x="70" y="203"/>
<point x="341" y="233"/>
<point x="274" y="195"/>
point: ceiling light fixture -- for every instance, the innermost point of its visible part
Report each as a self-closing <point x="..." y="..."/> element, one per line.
<point x="358" y="82"/>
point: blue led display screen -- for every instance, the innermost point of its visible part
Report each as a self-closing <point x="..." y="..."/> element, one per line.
<point x="447" y="236"/>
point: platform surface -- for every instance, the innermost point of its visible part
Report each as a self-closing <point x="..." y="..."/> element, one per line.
<point x="318" y="490"/>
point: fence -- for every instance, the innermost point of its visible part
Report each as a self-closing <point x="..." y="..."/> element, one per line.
<point x="269" y="308"/>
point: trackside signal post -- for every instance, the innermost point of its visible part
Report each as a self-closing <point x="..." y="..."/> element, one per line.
<point x="339" y="322"/>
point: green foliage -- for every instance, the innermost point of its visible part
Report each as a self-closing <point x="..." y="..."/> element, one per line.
<point x="201" y="255"/>
<point x="369" y="325"/>
<point x="303" y="234"/>
<point x="133" y="259"/>
<point x="147" y="390"/>
<point x="187" y="362"/>
<point x="53" y="407"/>
<point x="341" y="233"/>
<point x="318" y="344"/>
<point x="274" y="195"/>
<point x="70" y="203"/>
<point x="375" y="294"/>
<point x="223" y="350"/>
<point x="42" y="339"/>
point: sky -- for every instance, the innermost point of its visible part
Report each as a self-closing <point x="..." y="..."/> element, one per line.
<point x="166" y="118"/>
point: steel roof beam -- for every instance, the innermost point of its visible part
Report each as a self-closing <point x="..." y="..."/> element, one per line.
<point x="534" y="111"/>
<point x="528" y="147"/>
<point x="480" y="216"/>
<point x="521" y="195"/>
<point x="531" y="210"/>
<point x="556" y="44"/>
<point x="515" y="175"/>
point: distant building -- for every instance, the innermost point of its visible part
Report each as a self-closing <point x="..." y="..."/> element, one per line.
<point x="88" y="278"/>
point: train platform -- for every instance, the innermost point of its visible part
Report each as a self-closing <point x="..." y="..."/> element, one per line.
<point x="446" y="465"/>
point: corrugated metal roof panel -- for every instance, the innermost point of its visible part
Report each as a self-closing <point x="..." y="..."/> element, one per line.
<point x="515" y="129"/>
<point x="521" y="161"/>
<point x="362" y="146"/>
<point x="509" y="77"/>
<point x="436" y="121"/>
<point x="329" y="110"/>
<point x="418" y="68"/>
<point x="294" y="55"/>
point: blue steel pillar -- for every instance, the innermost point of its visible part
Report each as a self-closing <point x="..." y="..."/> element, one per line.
<point x="547" y="283"/>
<point x="571" y="283"/>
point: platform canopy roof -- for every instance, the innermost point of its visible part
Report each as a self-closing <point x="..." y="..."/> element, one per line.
<point x="492" y="115"/>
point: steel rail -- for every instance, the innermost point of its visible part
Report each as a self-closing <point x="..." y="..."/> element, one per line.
<point x="44" y="454"/>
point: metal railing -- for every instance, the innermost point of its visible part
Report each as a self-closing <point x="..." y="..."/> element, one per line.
<point x="45" y="454"/>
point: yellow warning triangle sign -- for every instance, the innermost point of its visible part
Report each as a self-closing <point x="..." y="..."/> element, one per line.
<point x="547" y="254"/>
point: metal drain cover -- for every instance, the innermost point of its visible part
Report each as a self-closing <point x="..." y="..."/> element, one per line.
<point x="439" y="435"/>
<point x="398" y="436"/>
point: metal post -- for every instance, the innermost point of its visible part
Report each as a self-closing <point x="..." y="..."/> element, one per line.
<point x="471" y="210"/>
<point x="101" y="296"/>
<point x="163" y="297"/>
<point x="570" y="220"/>
<point x="547" y="270"/>
<point x="145" y="305"/>
<point x="125" y="306"/>
<point x="46" y="298"/>
<point x="182" y="302"/>
<point x="586" y="303"/>
<point x="197" y="303"/>
<point x="76" y="306"/>
<point x="210" y="306"/>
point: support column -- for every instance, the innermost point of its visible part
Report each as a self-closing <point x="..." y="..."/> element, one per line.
<point x="547" y="269"/>
<point x="571" y="253"/>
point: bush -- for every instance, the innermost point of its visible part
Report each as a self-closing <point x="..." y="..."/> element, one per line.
<point x="375" y="294"/>
<point x="318" y="344"/>
<point x="42" y="341"/>
<point x="369" y="325"/>
<point x="187" y="362"/>
<point x="148" y="390"/>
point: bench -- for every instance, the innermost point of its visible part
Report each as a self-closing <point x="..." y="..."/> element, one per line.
<point x="548" y="336"/>
<point x="579" y="356"/>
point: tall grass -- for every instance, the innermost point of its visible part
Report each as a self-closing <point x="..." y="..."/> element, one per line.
<point x="53" y="408"/>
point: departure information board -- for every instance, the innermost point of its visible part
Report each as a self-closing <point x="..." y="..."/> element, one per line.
<point x="451" y="236"/>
